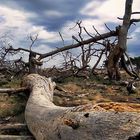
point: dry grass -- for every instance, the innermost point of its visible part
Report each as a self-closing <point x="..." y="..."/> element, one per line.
<point x="78" y="92"/>
<point x="72" y="87"/>
<point x="96" y="90"/>
<point x="12" y="106"/>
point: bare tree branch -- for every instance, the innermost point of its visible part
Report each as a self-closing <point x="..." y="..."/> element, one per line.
<point x="123" y="63"/>
<point x="33" y="39"/>
<point x="96" y="38"/>
<point x="62" y="38"/>
<point x="99" y="59"/>
<point x="135" y="13"/>
<point x="134" y="20"/>
<point x="107" y="27"/>
<point x="22" y="49"/>
<point x="96" y="31"/>
<point x="13" y="90"/>
<point x="87" y="32"/>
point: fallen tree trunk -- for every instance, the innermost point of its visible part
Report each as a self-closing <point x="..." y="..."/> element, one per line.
<point x="24" y="89"/>
<point x="12" y="137"/>
<point x="14" y="129"/>
<point x="46" y="121"/>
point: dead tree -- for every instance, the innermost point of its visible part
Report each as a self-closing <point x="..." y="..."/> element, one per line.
<point x="116" y="54"/>
<point x="33" y="62"/>
<point x="86" y="51"/>
<point x="106" y="121"/>
<point x="87" y="41"/>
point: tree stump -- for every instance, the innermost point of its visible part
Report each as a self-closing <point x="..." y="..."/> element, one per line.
<point x="104" y="121"/>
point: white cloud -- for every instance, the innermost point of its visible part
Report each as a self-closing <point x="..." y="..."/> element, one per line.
<point x="53" y="61"/>
<point x="13" y="18"/>
<point x="88" y="23"/>
<point x="42" y="49"/>
<point x="70" y="29"/>
<point x="109" y="10"/>
<point x="16" y="22"/>
<point x="44" y="34"/>
<point x="50" y="61"/>
<point x="89" y="7"/>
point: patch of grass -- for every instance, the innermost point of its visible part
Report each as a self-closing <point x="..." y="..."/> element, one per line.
<point x="12" y="84"/>
<point x="12" y="105"/>
<point x="3" y="82"/>
<point x="73" y="79"/>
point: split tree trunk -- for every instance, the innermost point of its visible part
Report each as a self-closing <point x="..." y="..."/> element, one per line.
<point x="33" y="63"/>
<point x="117" y="52"/>
<point x="113" y="63"/>
<point x="46" y="121"/>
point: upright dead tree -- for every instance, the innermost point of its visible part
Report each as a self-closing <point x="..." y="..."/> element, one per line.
<point x="120" y="48"/>
<point x="33" y="62"/>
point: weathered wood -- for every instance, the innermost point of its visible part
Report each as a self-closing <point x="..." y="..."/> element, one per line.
<point x="120" y="48"/>
<point x="76" y="45"/>
<point x="104" y="121"/>
<point x="122" y="37"/>
<point x="12" y="137"/>
<point x="12" y="90"/>
<point x="125" y="67"/>
<point x="12" y="126"/>
<point x="14" y="129"/>
<point x="84" y="42"/>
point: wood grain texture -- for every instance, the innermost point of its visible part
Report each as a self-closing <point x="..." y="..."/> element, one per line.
<point x="46" y="121"/>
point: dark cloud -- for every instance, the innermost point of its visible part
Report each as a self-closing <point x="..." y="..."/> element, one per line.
<point x="68" y="10"/>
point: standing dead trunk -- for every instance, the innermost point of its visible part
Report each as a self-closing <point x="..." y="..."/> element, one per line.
<point x="115" y="55"/>
<point x="33" y="63"/>
<point x="46" y="121"/>
<point x="113" y="63"/>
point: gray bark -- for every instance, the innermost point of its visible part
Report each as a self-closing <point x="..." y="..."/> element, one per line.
<point x="120" y="48"/>
<point x="12" y="90"/>
<point x="12" y="137"/>
<point x="122" y="37"/>
<point x="46" y="121"/>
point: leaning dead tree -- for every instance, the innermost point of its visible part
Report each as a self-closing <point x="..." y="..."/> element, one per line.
<point x="76" y="45"/>
<point x="105" y="121"/>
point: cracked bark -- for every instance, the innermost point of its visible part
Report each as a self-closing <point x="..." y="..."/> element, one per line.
<point x="115" y="55"/>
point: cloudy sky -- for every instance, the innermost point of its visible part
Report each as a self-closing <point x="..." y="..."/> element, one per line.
<point x="21" y="18"/>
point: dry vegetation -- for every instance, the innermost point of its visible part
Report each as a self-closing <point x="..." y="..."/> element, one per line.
<point x="95" y="90"/>
<point x="77" y="91"/>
